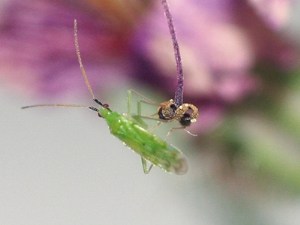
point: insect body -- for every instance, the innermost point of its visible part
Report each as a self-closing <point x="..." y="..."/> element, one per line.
<point x="150" y="147"/>
<point x="146" y="144"/>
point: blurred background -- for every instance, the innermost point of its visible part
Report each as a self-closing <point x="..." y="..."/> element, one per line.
<point x="242" y="69"/>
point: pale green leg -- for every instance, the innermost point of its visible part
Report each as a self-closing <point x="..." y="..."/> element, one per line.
<point x="129" y="98"/>
<point x="180" y="128"/>
<point x="138" y="118"/>
<point x="145" y="166"/>
<point x="144" y="100"/>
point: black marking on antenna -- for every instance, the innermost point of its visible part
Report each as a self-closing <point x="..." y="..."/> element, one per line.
<point x="97" y="101"/>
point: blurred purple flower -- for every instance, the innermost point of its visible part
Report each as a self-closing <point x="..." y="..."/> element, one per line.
<point x="215" y="44"/>
<point x="220" y="41"/>
<point x="275" y="12"/>
<point x="37" y="53"/>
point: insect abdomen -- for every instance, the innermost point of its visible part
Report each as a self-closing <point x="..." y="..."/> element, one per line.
<point x="146" y="144"/>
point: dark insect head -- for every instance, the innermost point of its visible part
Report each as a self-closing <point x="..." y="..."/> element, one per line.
<point x="106" y="106"/>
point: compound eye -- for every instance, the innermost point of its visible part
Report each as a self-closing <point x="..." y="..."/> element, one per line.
<point x="173" y="106"/>
<point x="186" y="115"/>
<point x="185" y="120"/>
<point x="106" y="106"/>
<point x="160" y="114"/>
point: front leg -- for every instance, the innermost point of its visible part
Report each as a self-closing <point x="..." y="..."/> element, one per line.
<point x="146" y="169"/>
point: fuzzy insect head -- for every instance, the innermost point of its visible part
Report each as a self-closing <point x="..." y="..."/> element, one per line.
<point x="186" y="114"/>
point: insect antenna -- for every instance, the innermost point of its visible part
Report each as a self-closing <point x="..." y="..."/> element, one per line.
<point x="83" y="72"/>
<point x="55" y="105"/>
<point x="84" y="75"/>
<point x="179" y="89"/>
<point x="93" y="108"/>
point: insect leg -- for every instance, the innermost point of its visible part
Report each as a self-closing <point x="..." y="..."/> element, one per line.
<point x="142" y="98"/>
<point x="146" y="169"/>
<point x="129" y="99"/>
<point x="179" y="128"/>
<point x="151" y="129"/>
<point x="138" y="117"/>
<point x="146" y="100"/>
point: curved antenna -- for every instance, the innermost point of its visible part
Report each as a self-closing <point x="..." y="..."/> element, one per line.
<point x="179" y="89"/>
<point x="84" y="75"/>
<point x="61" y="105"/>
<point x="55" y="105"/>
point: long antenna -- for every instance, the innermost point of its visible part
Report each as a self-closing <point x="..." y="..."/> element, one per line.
<point x="179" y="89"/>
<point x="86" y="80"/>
<point x="84" y="75"/>
<point x="55" y="105"/>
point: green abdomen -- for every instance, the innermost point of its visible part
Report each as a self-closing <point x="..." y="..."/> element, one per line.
<point x="146" y="144"/>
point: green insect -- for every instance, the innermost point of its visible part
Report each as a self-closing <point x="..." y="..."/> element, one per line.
<point x="152" y="149"/>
